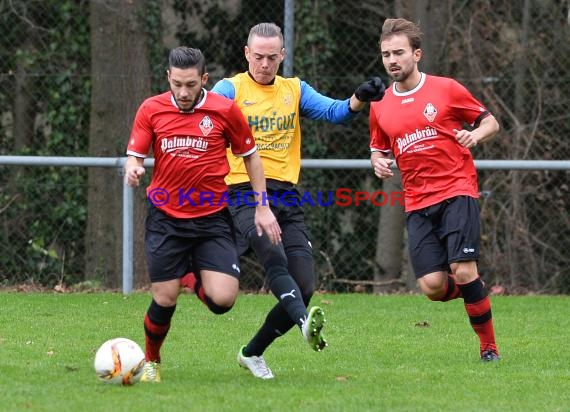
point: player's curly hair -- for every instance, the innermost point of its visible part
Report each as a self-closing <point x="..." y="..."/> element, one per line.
<point x="411" y="30"/>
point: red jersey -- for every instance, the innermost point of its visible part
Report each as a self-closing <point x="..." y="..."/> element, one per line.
<point x="189" y="151"/>
<point x="417" y="127"/>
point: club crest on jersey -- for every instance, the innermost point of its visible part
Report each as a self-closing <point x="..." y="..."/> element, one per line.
<point x="287" y="100"/>
<point x="430" y="112"/>
<point x="206" y="125"/>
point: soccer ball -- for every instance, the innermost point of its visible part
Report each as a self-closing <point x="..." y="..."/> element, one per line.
<point x="119" y="361"/>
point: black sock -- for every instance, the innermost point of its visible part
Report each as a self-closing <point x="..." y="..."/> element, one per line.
<point x="276" y="323"/>
<point x="287" y="292"/>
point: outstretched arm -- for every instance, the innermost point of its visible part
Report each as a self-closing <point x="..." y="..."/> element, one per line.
<point x="317" y="106"/>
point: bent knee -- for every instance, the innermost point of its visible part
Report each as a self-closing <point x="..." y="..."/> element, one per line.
<point x="219" y="309"/>
<point x="465" y="272"/>
<point x="433" y="285"/>
<point x="221" y="305"/>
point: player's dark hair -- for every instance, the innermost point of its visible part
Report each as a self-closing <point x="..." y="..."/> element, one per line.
<point x="186" y="58"/>
<point x="265" y="30"/>
<point x="411" y="30"/>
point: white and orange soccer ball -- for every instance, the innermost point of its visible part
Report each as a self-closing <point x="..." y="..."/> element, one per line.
<point x="119" y="361"/>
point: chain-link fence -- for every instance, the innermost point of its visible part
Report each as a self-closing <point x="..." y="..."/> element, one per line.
<point x="72" y="73"/>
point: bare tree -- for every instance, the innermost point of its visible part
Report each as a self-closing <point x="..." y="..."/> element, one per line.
<point x="390" y="240"/>
<point x="24" y="102"/>
<point x="24" y="106"/>
<point x="120" y="81"/>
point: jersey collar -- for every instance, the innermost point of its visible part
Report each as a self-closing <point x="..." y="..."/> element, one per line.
<point x="196" y="106"/>
<point x="415" y="89"/>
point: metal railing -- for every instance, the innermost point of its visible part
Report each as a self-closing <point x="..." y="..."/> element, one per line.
<point x="128" y="197"/>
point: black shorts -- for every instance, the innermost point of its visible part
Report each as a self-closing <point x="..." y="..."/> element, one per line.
<point x="176" y="246"/>
<point x="285" y="202"/>
<point x="444" y="233"/>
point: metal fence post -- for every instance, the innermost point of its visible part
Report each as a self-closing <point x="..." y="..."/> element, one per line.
<point x="289" y="37"/>
<point x="128" y="239"/>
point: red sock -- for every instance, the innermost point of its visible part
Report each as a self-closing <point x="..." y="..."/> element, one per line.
<point x="482" y="322"/>
<point x="478" y="307"/>
<point x="154" y="337"/>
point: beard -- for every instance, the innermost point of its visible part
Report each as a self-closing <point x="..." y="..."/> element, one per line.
<point x="400" y="76"/>
<point x="191" y="106"/>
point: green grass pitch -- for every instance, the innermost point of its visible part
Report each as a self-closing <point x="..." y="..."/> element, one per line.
<point x="386" y="353"/>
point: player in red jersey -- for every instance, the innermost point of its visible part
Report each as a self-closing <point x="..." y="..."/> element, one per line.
<point x="420" y="122"/>
<point x="188" y="223"/>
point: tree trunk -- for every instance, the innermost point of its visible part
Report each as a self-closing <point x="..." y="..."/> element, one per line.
<point x="430" y="14"/>
<point x="24" y="110"/>
<point x="121" y="80"/>
<point x="390" y="234"/>
<point x="516" y="235"/>
<point x="24" y="102"/>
